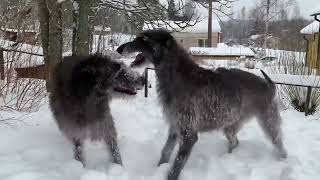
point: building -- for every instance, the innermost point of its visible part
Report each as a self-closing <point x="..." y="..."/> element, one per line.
<point x="312" y="35"/>
<point x="21" y="36"/>
<point x="191" y="36"/>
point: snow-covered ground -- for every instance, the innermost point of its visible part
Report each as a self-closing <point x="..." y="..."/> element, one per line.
<point x="37" y="150"/>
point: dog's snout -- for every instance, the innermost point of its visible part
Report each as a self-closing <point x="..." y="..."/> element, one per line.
<point x="142" y="80"/>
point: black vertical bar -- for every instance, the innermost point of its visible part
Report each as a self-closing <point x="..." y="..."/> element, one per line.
<point x="1" y="65"/>
<point x="146" y="82"/>
<point x="306" y="106"/>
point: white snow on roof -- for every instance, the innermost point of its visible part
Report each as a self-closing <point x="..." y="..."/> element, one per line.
<point x="16" y="30"/>
<point x="315" y="12"/>
<point x="101" y="28"/>
<point x="199" y="27"/>
<point x="221" y="50"/>
<point x="311" y="28"/>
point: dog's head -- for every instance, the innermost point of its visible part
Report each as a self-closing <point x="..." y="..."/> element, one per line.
<point x="128" y="81"/>
<point x="107" y="73"/>
<point x="152" y="43"/>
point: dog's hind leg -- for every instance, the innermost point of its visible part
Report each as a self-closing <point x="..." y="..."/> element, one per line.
<point x="77" y="150"/>
<point x="270" y="121"/>
<point x="231" y="134"/>
<point x="188" y="139"/>
<point x="168" y="147"/>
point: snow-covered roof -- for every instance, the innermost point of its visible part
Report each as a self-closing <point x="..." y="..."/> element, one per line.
<point x="221" y="51"/>
<point x="198" y="27"/>
<point x="316" y="12"/>
<point x="311" y="28"/>
<point x="101" y="28"/>
<point x="16" y="30"/>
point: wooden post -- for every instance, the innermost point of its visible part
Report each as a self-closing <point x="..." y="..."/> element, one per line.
<point x="306" y="106"/>
<point x="146" y="82"/>
<point x="210" y="24"/>
<point x="1" y="65"/>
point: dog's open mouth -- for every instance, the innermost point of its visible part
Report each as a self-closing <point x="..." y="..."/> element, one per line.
<point x="125" y="90"/>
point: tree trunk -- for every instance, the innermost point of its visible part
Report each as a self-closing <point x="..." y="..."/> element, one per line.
<point x="83" y="34"/>
<point x="266" y="33"/>
<point x="75" y="15"/>
<point x="55" y="36"/>
<point x="210" y="24"/>
<point x="44" y="34"/>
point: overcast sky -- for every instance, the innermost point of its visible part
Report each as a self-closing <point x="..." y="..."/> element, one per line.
<point x="306" y="6"/>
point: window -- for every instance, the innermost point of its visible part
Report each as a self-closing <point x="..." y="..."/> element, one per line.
<point x="203" y="42"/>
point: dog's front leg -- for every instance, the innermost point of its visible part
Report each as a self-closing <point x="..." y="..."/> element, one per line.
<point x="188" y="139"/>
<point x="168" y="147"/>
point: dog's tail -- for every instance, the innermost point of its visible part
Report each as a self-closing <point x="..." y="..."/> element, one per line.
<point x="271" y="84"/>
<point x="266" y="77"/>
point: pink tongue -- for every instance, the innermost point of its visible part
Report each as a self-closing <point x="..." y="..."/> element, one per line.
<point x="125" y="90"/>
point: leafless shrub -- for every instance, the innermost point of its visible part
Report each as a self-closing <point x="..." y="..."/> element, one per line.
<point x="19" y="94"/>
<point x="294" y="63"/>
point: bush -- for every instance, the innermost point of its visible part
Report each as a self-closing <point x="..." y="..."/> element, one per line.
<point x="294" y="63"/>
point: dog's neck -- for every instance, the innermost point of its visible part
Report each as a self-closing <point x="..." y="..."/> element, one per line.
<point x="175" y="64"/>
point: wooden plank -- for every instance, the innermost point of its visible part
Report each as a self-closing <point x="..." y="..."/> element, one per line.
<point x="37" y="72"/>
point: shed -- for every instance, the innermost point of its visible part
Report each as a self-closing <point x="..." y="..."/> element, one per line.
<point x="21" y="36"/>
<point x="312" y="35"/>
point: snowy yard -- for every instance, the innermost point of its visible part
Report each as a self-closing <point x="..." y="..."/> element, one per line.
<point x="38" y="151"/>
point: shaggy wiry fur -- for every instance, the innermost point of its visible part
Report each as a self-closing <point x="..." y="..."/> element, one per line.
<point x="82" y="89"/>
<point x="199" y="100"/>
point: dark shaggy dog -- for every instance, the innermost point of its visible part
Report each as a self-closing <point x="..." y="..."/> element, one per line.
<point x="82" y="89"/>
<point x="199" y="100"/>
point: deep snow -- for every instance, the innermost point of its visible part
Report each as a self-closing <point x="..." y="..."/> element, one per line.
<point x="38" y="151"/>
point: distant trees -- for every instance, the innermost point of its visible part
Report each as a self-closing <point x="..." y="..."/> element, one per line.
<point x="279" y="30"/>
<point x="84" y="14"/>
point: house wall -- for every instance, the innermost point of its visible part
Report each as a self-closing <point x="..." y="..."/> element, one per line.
<point x="191" y="39"/>
<point x="24" y="37"/>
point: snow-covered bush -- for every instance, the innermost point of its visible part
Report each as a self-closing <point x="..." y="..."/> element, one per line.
<point x="294" y="63"/>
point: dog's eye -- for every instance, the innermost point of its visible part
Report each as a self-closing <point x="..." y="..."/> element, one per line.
<point x="145" y="38"/>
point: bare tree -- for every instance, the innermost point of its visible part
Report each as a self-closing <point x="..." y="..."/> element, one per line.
<point x="51" y="35"/>
<point x="270" y="10"/>
<point x="217" y="7"/>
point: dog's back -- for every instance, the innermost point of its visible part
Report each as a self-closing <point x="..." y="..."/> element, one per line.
<point x="74" y="100"/>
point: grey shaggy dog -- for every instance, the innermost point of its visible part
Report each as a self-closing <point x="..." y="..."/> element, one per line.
<point x="82" y="89"/>
<point x="198" y="100"/>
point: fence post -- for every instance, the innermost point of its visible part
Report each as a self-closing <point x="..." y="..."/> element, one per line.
<point x="306" y="106"/>
<point x="146" y="82"/>
<point x="1" y="65"/>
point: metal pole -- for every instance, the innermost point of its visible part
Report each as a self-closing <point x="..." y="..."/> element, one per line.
<point x="306" y="106"/>
<point x="146" y="82"/>
<point x="1" y="65"/>
<point x="267" y="29"/>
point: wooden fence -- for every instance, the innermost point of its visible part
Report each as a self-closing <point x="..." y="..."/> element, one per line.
<point x="37" y="72"/>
